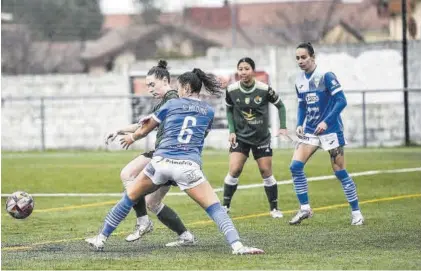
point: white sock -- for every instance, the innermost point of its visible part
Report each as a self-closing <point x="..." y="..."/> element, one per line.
<point x="142" y="220"/>
<point x="305" y="207"/>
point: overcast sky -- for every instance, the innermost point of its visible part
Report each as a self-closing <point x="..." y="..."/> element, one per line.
<point x="127" y="6"/>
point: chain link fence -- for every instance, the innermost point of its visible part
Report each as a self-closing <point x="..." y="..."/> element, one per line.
<point x="372" y="118"/>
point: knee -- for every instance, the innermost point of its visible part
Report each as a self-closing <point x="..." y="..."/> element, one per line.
<point x="265" y="172"/>
<point x="296" y="166"/>
<point x="235" y="172"/>
<point x="154" y="207"/>
<point x="126" y="174"/>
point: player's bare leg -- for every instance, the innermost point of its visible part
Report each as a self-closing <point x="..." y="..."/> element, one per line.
<point x="337" y="158"/>
<point x="205" y="196"/>
<point x="302" y="154"/>
<point x="271" y="187"/>
<point x="236" y="164"/>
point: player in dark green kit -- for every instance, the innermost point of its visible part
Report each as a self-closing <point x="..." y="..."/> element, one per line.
<point x="158" y="84"/>
<point x="248" y="119"/>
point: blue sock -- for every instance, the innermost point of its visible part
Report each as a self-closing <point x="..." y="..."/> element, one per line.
<point x="224" y="222"/>
<point x="349" y="188"/>
<point x="300" y="181"/>
<point x="116" y="215"/>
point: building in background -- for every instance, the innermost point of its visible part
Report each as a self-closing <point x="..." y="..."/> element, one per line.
<point x="129" y="34"/>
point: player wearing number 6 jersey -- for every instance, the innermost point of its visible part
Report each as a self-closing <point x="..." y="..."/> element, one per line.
<point x="320" y="103"/>
<point x="158" y="84"/>
<point x="186" y="122"/>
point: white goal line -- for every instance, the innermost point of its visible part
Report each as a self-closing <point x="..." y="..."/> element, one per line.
<point x="311" y="179"/>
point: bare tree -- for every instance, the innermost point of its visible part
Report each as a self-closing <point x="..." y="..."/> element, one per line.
<point x="314" y="26"/>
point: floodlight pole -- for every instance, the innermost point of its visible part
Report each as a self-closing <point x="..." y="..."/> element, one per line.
<point x="405" y="71"/>
<point x="233" y="9"/>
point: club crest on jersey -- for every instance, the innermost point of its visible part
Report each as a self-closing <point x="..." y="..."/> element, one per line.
<point x="258" y="99"/>
<point x="312" y="98"/>
<point x="247" y="100"/>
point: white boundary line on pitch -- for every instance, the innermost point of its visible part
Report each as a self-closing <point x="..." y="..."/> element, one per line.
<point x="311" y="179"/>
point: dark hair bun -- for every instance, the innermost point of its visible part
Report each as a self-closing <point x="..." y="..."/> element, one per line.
<point x="162" y="64"/>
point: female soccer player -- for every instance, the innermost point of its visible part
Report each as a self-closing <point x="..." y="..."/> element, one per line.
<point x="320" y="103"/>
<point x="248" y="120"/>
<point x="158" y="84"/>
<point x="186" y="122"/>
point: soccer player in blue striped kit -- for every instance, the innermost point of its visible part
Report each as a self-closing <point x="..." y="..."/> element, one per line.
<point x="186" y="122"/>
<point x="320" y="103"/>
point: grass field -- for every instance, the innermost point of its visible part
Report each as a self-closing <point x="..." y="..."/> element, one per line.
<point x="52" y="237"/>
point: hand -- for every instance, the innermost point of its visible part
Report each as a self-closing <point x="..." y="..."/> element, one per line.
<point x="126" y="141"/>
<point x="282" y="132"/>
<point x="299" y="131"/>
<point x="320" y="128"/>
<point x="232" y="139"/>
<point x="111" y="136"/>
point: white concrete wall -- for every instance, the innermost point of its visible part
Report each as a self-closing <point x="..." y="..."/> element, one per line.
<point x="83" y="123"/>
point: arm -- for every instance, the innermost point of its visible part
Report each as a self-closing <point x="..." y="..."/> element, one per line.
<point x="145" y="129"/>
<point x="230" y="117"/>
<point x="140" y="133"/>
<point x="301" y="113"/>
<point x="340" y="104"/>
<point x="337" y="94"/>
<point x="275" y="99"/>
<point x="129" y="129"/>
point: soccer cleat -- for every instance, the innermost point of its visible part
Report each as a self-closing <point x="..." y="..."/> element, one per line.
<point x="300" y="216"/>
<point x="139" y="231"/>
<point x="357" y="219"/>
<point x="185" y="239"/>
<point x="97" y="242"/>
<point x="243" y="250"/>
<point x="227" y="209"/>
<point x="275" y="213"/>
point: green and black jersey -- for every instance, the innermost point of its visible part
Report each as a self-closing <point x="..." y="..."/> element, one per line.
<point x="248" y="111"/>
<point x="171" y="94"/>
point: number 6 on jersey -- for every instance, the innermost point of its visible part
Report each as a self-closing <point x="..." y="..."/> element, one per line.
<point x="182" y="137"/>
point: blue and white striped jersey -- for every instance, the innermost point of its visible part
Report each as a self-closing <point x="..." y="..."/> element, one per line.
<point x="316" y="91"/>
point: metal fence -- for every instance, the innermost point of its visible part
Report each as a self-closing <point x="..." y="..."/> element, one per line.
<point x="372" y="118"/>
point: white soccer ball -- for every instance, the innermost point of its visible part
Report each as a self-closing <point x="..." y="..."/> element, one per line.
<point x="20" y="205"/>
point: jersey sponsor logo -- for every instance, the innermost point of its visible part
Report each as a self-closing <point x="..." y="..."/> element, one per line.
<point x="247" y="100"/>
<point x="312" y="98"/>
<point x="334" y="82"/>
<point x="248" y="115"/>
<point x="265" y="146"/>
<point x="258" y="99"/>
<point x="178" y="162"/>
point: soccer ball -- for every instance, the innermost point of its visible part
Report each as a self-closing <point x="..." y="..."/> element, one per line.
<point x="20" y="205"/>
